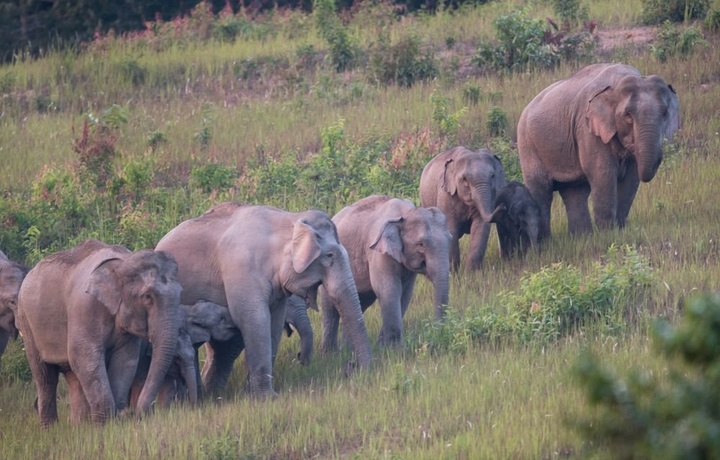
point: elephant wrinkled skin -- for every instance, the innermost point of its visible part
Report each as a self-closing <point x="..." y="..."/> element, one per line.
<point x="390" y="241"/>
<point x="84" y="311"/>
<point x="250" y="259"/>
<point x="595" y="134"/>
<point x="463" y="183"/>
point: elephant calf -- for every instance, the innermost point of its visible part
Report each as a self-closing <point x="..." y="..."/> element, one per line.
<point x="200" y="323"/>
<point x="389" y="241"/>
<point x="517" y="219"/>
<point x="11" y="277"/>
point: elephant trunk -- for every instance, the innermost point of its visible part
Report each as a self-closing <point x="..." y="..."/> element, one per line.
<point x="163" y="336"/>
<point x="439" y="274"/>
<point x="648" y="152"/>
<point x="301" y="323"/>
<point x="189" y="375"/>
<point x="484" y="199"/>
<point x="340" y="286"/>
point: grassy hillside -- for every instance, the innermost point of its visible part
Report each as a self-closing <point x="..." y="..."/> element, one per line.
<point x="261" y="105"/>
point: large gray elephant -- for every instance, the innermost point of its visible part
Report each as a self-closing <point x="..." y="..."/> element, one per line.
<point x="250" y="259"/>
<point x="297" y="320"/>
<point x="84" y="312"/>
<point x="463" y="183"/>
<point x="11" y="277"/>
<point x="517" y="220"/>
<point x="200" y="322"/>
<point x="595" y="134"/>
<point x="390" y="241"/>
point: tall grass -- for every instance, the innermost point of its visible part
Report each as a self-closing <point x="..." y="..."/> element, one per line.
<point x="493" y="401"/>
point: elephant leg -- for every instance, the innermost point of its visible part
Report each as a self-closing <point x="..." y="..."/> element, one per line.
<point x="121" y="371"/>
<point x="604" y="200"/>
<point x="408" y="287"/>
<point x="542" y="193"/>
<point x="626" y="189"/>
<point x="277" y="325"/>
<point x="331" y="323"/>
<point x="89" y="368"/>
<point x="455" y="233"/>
<point x="219" y="362"/>
<point x="79" y="408"/>
<point x="254" y="318"/>
<point x="575" y="199"/>
<point x="4" y="339"/>
<point x="46" y="378"/>
<point x="389" y="291"/>
<point x="479" y="234"/>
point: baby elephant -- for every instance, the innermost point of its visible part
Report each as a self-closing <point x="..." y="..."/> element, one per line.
<point x="200" y="322"/>
<point x="11" y="277"/>
<point x="389" y="242"/>
<point x="517" y="217"/>
<point x="297" y="320"/>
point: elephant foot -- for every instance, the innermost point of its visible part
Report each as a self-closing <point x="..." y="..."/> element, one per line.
<point x="350" y="368"/>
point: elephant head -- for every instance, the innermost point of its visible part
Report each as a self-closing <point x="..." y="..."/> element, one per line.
<point x="517" y="220"/>
<point x="296" y="319"/>
<point x="207" y="320"/>
<point x="640" y="111"/>
<point x="142" y="292"/>
<point x="11" y="277"/>
<point x="420" y="241"/>
<point x="315" y="256"/>
<point x="475" y="177"/>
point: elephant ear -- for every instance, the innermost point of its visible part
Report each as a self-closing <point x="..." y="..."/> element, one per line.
<point x="388" y="240"/>
<point x="447" y="180"/>
<point x="305" y="246"/>
<point x="601" y="115"/>
<point x="673" y="114"/>
<point x="105" y="286"/>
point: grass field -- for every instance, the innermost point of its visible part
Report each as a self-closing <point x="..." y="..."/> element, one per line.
<point x="491" y="400"/>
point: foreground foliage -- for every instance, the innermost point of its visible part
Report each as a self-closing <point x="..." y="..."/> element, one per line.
<point x="641" y="416"/>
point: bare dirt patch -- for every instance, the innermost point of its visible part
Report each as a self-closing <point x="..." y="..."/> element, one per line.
<point x="630" y="36"/>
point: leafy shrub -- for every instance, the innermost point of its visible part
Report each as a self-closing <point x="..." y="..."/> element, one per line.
<point x="14" y="365"/>
<point x="522" y="44"/>
<point x="570" y="12"/>
<point x="643" y="416"/>
<point x="711" y="23"/>
<point x="497" y="122"/>
<point x="343" y="50"/>
<point x="447" y="123"/>
<point x="658" y="11"/>
<point x="504" y="149"/>
<point x="402" y="63"/>
<point x="213" y="177"/>
<point x="549" y="304"/>
<point x="672" y="40"/>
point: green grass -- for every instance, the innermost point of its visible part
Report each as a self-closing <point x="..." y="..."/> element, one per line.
<point x="494" y="401"/>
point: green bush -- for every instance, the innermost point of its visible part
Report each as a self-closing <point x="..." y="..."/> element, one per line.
<point x="211" y="177"/>
<point x="570" y="12"/>
<point x="521" y="44"/>
<point x="402" y="63"/>
<point x="658" y="11"/>
<point x="672" y="40"/>
<point x="711" y="23"/>
<point x="646" y="416"/>
<point x="343" y="50"/>
<point x="497" y="122"/>
<point x="447" y="123"/>
<point x="552" y="303"/>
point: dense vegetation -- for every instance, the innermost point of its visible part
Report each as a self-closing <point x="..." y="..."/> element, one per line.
<point x="129" y="135"/>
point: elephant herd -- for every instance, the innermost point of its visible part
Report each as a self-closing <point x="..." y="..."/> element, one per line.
<point x="125" y="327"/>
